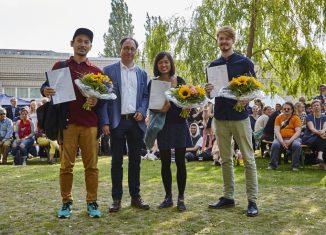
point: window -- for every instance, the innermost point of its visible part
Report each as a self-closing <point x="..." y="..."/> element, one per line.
<point x="22" y="93"/>
<point x="34" y="93"/>
<point x="11" y="91"/>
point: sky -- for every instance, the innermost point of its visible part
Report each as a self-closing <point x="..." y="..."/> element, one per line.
<point x="50" y="25"/>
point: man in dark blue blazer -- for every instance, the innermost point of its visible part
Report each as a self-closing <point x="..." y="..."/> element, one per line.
<point x="124" y="119"/>
<point x="13" y="112"/>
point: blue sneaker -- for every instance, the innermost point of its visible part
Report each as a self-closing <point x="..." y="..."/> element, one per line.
<point x="93" y="210"/>
<point x="65" y="210"/>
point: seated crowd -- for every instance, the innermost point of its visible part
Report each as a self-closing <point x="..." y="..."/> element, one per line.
<point x="285" y="128"/>
<point x="20" y="135"/>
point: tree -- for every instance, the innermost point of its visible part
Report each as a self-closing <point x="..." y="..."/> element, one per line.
<point x="284" y="39"/>
<point x="120" y="25"/>
<point x="157" y="38"/>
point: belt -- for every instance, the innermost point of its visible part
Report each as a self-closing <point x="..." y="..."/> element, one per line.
<point x="127" y="116"/>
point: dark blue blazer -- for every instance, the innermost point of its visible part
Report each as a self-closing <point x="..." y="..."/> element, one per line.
<point x="111" y="113"/>
<point x="13" y="116"/>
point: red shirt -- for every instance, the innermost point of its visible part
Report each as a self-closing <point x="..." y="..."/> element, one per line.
<point x="78" y="115"/>
<point x="24" y="128"/>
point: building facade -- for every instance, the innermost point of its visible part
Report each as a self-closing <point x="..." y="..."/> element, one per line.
<point x="22" y="72"/>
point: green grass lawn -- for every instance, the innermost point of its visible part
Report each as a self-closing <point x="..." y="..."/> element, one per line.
<point x="289" y="202"/>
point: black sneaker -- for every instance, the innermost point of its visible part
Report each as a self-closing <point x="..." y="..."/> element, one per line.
<point x="181" y="204"/>
<point x="166" y="203"/>
<point x="222" y="203"/>
<point x="252" y="210"/>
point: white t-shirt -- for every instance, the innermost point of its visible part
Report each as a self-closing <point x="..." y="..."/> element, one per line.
<point x="261" y="122"/>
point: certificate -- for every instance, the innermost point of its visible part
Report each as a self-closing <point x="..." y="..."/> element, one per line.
<point x="60" y="80"/>
<point x="157" y="97"/>
<point x="217" y="76"/>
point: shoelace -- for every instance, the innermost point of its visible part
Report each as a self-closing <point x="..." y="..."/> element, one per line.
<point x="94" y="205"/>
<point x="65" y="206"/>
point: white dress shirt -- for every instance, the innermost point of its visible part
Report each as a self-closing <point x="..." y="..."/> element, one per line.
<point x="128" y="89"/>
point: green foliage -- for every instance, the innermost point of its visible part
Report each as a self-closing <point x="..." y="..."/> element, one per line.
<point x="120" y="25"/>
<point x="157" y="38"/>
<point x="284" y="38"/>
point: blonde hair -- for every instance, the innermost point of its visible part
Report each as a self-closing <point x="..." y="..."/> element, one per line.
<point x="227" y="30"/>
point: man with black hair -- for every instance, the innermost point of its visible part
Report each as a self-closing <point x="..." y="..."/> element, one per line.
<point x="80" y="128"/>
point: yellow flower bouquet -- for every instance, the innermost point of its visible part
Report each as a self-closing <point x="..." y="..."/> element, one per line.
<point x="243" y="88"/>
<point x="187" y="97"/>
<point x="97" y="85"/>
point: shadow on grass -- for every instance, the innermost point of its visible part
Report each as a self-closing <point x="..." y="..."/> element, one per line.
<point x="289" y="202"/>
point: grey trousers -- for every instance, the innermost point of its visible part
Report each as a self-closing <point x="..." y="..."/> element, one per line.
<point x="242" y="133"/>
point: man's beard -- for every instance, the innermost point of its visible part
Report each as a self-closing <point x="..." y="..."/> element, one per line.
<point x="225" y="48"/>
<point x="82" y="52"/>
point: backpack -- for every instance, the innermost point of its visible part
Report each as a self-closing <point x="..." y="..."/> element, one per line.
<point x="49" y="117"/>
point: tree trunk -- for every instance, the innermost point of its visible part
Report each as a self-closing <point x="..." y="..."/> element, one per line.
<point x="252" y="28"/>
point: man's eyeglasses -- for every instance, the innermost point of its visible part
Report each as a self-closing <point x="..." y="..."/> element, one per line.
<point x="2" y="113"/>
<point x="126" y="49"/>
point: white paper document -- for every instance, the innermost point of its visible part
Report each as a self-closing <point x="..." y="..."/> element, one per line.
<point x="60" y="80"/>
<point x="157" y="97"/>
<point x="217" y="76"/>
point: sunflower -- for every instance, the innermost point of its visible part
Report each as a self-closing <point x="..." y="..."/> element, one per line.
<point x="184" y="92"/>
<point x="200" y="91"/>
<point x="257" y="83"/>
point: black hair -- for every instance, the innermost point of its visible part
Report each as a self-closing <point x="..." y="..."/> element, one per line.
<point x="84" y="31"/>
<point x="290" y="104"/>
<point x="160" y="56"/>
<point x="130" y="38"/>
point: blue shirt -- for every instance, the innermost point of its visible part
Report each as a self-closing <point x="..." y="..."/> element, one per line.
<point x="318" y="123"/>
<point x="6" y="129"/>
<point x="236" y="65"/>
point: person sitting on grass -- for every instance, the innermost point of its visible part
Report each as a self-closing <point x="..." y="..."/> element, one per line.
<point x="196" y="142"/>
<point x="24" y="133"/>
<point x="315" y="134"/>
<point x="206" y="155"/>
<point x="287" y="133"/>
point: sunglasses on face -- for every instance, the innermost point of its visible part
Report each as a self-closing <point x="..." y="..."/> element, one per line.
<point x="2" y="113"/>
<point x="287" y="109"/>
